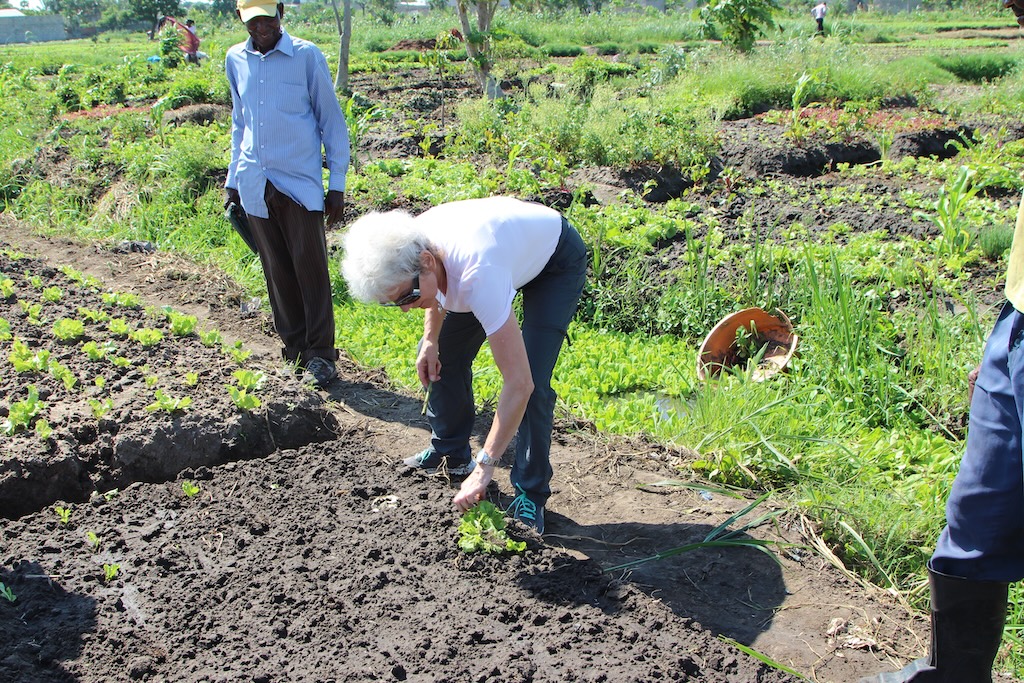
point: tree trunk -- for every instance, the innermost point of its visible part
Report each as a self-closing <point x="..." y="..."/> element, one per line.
<point x="344" y="22"/>
<point x="478" y="43"/>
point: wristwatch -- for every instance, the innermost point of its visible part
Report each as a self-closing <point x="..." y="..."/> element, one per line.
<point x="483" y="458"/>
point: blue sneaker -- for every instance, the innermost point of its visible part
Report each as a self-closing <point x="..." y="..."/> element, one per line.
<point x="527" y="511"/>
<point x="430" y="462"/>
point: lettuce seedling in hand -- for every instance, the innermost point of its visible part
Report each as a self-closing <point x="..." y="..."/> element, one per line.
<point x="482" y="529"/>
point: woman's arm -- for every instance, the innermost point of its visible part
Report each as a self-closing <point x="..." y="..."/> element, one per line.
<point x="509" y="353"/>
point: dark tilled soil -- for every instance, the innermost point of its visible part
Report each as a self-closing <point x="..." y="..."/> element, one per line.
<point x="316" y="558"/>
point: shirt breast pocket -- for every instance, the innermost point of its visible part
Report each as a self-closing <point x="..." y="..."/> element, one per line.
<point x="293" y="98"/>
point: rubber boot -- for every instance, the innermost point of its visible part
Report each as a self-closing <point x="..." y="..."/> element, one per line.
<point x="967" y="627"/>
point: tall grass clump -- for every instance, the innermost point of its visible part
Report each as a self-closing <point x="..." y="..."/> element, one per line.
<point x="1004" y="97"/>
<point x="737" y="86"/>
<point x="977" y="67"/>
<point x="586" y="121"/>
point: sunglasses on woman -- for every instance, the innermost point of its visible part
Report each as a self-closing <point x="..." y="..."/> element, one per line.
<point x="410" y="296"/>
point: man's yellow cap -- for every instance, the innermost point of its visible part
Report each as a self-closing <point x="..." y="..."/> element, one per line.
<point x="256" y="8"/>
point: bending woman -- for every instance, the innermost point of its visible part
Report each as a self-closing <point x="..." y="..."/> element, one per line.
<point x="463" y="263"/>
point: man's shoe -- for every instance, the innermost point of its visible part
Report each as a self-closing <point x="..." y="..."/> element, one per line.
<point x="527" y="511"/>
<point x="431" y="462"/>
<point x="319" y="371"/>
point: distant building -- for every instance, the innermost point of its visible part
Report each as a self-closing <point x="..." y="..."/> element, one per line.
<point x="15" y="27"/>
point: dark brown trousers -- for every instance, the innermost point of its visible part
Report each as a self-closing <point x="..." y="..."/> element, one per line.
<point x="293" y="251"/>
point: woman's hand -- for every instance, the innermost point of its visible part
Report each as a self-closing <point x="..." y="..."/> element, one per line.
<point x="428" y="365"/>
<point x="473" y="488"/>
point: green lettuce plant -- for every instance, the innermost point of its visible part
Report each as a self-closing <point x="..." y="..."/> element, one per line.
<point x="147" y="336"/>
<point x="482" y="529"/>
<point x="68" y="329"/>
<point x="63" y="514"/>
<point x="168" y="403"/>
<point x="22" y="413"/>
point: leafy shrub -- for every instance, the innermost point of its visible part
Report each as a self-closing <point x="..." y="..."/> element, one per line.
<point x="196" y="88"/>
<point x="607" y="49"/>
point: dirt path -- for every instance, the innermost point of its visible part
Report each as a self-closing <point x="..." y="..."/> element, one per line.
<point x="321" y="560"/>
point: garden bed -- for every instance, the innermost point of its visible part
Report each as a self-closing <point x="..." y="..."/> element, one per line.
<point x="260" y="557"/>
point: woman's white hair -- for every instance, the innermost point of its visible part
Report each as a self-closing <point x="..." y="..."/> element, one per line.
<point x="382" y="251"/>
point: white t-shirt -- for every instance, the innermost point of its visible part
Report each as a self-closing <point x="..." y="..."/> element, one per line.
<point x="490" y="248"/>
<point x="818" y="11"/>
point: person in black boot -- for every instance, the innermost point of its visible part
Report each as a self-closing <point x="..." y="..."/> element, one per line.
<point x="981" y="550"/>
<point x="967" y="626"/>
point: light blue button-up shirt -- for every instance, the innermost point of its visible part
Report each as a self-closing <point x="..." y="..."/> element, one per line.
<point x="284" y="111"/>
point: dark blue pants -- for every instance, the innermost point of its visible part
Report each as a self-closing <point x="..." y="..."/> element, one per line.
<point x="549" y="303"/>
<point x="984" y="535"/>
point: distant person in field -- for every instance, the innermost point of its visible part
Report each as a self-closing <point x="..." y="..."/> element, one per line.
<point x="463" y="263"/>
<point x="818" y="12"/>
<point x="286" y="127"/>
<point x="189" y="39"/>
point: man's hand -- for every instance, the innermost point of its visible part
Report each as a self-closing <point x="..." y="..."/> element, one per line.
<point x="1018" y="9"/>
<point x="231" y="197"/>
<point x="334" y="204"/>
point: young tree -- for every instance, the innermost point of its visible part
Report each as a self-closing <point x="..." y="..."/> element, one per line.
<point x="75" y="12"/>
<point x="478" y="42"/>
<point x="152" y="10"/>
<point x="344" y="22"/>
<point x="739" y="23"/>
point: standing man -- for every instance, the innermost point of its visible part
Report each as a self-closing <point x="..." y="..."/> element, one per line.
<point x="286" y="126"/>
<point x="818" y="12"/>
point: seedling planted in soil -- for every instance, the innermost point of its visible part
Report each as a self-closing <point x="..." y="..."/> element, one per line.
<point x="68" y="330"/>
<point x="237" y="353"/>
<point x="110" y="572"/>
<point x="119" y="327"/>
<point x="100" y="408"/>
<point x="189" y="489"/>
<point x="22" y="413"/>
<point x="181" y="325"/>
<point x="243" y="399"/>
<point x="24" y="360"/>
<point x="63" y="514"/>
<point x="119" y="299"/>
<point x="482" y="529"/>
<point x="166" y="402"/>
<point x="147" y="336"/>
<point x="7" y="593"/>
<point x="43" y="429"/>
